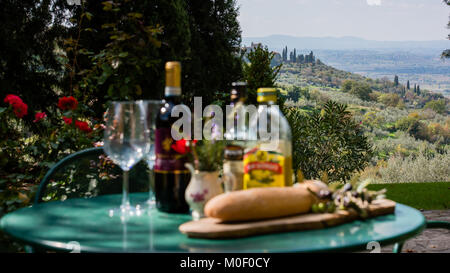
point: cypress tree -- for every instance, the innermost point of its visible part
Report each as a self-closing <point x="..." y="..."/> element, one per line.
<point x="286" y="48"/>
<point x="396" y="80"/>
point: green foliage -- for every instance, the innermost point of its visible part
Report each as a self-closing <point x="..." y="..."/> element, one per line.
<point x="389" y="99"/>
<point x="361" y="90"/>
<point x="328" y="141"/>
<point x="124" y="45"/>
<point x="26" y="156"/>
<point x="120" y="47"/>
<point x="294" y="93"/>
<point x="429" y="196"/>
<point x="213" y="62"/>
<point x="347" y="85"/>
<point x="258" y="72"/>
<point x="129" y="56"/>
<point x="407" y="122"/>
<point x="421" y="168"/>
<point x="28" y="63"/>
<point x="208" y="155"/>
<point x="439" y="106"/>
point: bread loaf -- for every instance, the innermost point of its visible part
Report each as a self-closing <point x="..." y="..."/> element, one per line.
<point x="259" y="203"/>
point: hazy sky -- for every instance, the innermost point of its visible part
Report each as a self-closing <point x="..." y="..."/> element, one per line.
<point x="370" y="19"/>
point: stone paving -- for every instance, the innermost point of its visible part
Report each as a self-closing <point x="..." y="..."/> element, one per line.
<point x="430" y="240"/>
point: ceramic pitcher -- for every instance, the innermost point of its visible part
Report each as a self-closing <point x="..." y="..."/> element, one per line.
<point x="203" y="186"/>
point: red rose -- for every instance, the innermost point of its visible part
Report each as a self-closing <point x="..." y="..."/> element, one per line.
<point x="67" y="120"/>
<point x="38" y="116"/>
<point x="12" y="99"/>
<point x="83" y="126"/>
<point x="67" y="103"/>
<point x="182" y="146"/>
<point x="20" y="109"/>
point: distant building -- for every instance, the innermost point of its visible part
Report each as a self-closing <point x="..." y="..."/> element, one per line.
<point x="276" y="58"/>
<point x="247" y="49"/>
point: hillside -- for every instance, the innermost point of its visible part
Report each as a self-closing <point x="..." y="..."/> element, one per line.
<point x="409" y="129"/>
<point x="321" y="75"/>
<point x="418" y="61"/>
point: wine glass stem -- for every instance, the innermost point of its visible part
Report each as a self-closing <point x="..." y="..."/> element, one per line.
<point x="125" y="191"/>
<point x="151" y="188"/>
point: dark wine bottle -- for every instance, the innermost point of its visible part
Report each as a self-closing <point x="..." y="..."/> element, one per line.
<point x="171" y="176"/>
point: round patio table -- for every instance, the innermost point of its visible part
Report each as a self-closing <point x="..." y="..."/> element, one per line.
<point x="85" y="225"/>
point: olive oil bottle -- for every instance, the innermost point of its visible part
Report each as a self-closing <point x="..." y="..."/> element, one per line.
<point x="268" y="163"/>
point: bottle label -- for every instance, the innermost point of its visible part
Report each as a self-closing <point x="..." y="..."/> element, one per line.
<point x="264" y="169"/>
<point x="167" y="159"/>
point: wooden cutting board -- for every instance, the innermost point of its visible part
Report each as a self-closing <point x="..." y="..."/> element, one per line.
<point x="212" y="228"/>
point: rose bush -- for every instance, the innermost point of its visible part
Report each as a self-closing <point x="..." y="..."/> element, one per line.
<point x="25" y="156"/>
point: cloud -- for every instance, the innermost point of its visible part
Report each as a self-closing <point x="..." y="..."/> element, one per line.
<point x="374" y="2"/>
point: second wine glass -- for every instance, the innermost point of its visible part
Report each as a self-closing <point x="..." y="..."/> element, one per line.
<point x="152" y="108"/>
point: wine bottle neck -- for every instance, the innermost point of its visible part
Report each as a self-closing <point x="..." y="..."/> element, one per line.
<point x="172" y="91"/>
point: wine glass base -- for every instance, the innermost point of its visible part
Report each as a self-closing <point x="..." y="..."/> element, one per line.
<point x="126" y="211"/>
<point x="146" y="207"/>
<point x="151" y="203"/>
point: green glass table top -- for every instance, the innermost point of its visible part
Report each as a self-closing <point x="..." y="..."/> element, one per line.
<point x="56" y="225"/>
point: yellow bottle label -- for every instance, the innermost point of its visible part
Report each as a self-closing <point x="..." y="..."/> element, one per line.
<point x="264" y="169"/>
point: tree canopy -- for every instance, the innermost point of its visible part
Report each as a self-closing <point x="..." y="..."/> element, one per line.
<point x="258" y="72"/>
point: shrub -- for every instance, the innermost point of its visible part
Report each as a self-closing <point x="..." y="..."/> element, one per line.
<point x="437" y="105"/>
<point x="328" y="142"/>
<point x="294" y="93"/>
<point x="403" y="145"/>
<point x="408" y="122"/>
<point x="347" y="85"/>
<point x="389" y="99"/>
<point x="417" y="169"/>
<point x="26" y="156"/>
<point x="361" y="90"/>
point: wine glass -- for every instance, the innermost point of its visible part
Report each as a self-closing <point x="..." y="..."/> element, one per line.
<point x="152" y="108"/>
<point x="125" y="143"/>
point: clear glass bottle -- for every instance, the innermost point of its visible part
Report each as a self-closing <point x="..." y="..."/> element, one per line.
<point x="268" y="161"/>
<point x="234" y="150"/>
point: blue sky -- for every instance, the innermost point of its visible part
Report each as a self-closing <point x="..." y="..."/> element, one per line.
<point x="393" y="20"/>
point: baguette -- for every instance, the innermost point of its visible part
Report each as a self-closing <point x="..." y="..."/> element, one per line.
<point x="259" y="203"/>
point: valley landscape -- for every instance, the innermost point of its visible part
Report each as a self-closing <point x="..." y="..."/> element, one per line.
<point x="419" y="62"/>
<point x="398" y="96"/>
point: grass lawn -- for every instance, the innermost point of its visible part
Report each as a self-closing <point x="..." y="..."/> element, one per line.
<point x="427" y="196"/>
